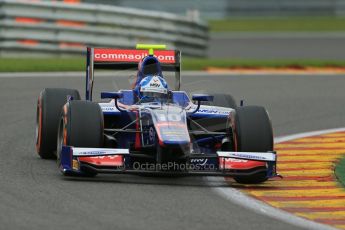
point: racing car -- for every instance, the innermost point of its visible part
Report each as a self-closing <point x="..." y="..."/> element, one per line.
<point x="152" y="128"/>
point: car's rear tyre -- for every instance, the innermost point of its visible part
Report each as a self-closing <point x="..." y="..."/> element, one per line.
<point x="253" y="133"/>
<point x="81" y="125"/>
<point x="216" y="124"/>
<point x="50" y="102"/>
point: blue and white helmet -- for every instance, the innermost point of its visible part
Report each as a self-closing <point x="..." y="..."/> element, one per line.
<point x="154" y="86"/>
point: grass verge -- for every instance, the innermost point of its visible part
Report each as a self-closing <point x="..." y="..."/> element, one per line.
<point x="279" y="24"/>
<point x="78" y="64"/>
<point x="340" y="171"/>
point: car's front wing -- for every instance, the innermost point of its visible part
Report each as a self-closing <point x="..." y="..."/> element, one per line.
<point x="77" y="161"/>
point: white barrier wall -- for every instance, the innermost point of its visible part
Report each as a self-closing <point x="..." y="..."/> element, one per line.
<point x="47" y="28"/>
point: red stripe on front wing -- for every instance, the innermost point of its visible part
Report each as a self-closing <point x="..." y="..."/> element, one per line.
<point x="116" y="160"/>
<point x="230" y="163"/>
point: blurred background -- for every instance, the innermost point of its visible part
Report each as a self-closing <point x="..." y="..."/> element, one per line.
<point x="221" y="33"/>
<point x="220" y="9"/>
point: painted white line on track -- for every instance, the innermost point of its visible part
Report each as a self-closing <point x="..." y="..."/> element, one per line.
<point x="237" y="197"/>
<point x="306" y="134"/>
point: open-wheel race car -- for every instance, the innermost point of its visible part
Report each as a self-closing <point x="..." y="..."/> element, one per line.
<point x="152" y="128"/>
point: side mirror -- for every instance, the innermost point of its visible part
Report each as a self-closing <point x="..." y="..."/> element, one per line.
<point x="112" y="95"/>
<point x="202" y="97"/>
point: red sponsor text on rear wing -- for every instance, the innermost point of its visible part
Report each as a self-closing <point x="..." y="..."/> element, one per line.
<point x="132" y="56"/>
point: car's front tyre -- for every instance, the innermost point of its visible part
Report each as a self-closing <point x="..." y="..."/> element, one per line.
<point x="49" y="104"/>
<point x="253" y="133"/>
<point x="81" y="125"/>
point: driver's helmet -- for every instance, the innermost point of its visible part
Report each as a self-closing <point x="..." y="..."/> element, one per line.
<point x="148" y="66"/>
<point x="153" y="88"/>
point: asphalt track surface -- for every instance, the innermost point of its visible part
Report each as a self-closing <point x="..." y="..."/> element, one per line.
<point x="283" y="45"/>
<point x="33" y="194"/>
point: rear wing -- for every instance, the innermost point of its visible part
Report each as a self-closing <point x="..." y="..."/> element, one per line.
<point x="120" y="59"/>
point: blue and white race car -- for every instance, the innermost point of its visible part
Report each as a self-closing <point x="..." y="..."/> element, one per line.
<point x="152" y="128"/>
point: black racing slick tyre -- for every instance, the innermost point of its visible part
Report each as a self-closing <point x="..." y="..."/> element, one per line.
<point x="50" y="102"/>
<point x="81" y="125"/>
<point x="253" y="133"/>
